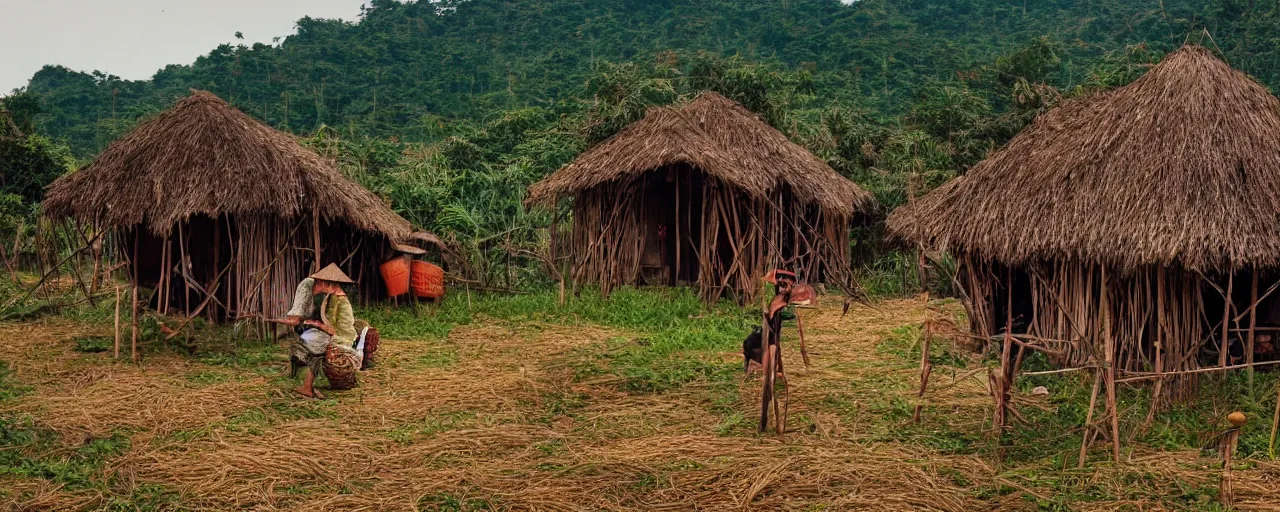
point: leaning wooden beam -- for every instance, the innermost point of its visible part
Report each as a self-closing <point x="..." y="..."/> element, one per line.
<point x="1088" y="418"/>
<point x="1143" y="376"/>
<point x="44" y="278"/>
<point x="208" y="298"/>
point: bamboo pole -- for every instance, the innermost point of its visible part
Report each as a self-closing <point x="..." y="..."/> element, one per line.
<point x="117" y="324"/>
<point x="315" y="233"/>
<point x="133" y="343"/>
<point x="1226" y="316"/>
<point x="1275" y="425"/>
<point x="1002" y="384"/>
<point x="1253" y="324"/>
<point x="134" y="337"/>
<point x="186" y="276"/>
<point x="1161" y="340"/>
<point x="1088" y="419"/>
<point x="675" y="272"/>
<point x="1109" y="343"/>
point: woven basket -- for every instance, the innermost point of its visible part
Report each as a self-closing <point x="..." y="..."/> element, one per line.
<point x="370" y="348"/>
<point x="340" y="368"/>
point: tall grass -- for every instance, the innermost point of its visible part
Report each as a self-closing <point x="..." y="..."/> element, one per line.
<point x="672" y="338"/>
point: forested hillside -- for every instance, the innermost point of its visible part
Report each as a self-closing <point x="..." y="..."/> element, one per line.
<point x="450" y="109"/>
<point x="405" y="67"/>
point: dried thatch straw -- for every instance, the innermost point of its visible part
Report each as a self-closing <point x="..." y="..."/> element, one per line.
<point x="720" y="137"/>
<point x="204" y="157"/>
<point x="1180" y="167"/>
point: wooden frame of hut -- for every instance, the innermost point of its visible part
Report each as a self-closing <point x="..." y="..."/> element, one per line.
<point x="1133" y="233"/>
<point x="248" y="208"/>
<point x="708" y="194"/>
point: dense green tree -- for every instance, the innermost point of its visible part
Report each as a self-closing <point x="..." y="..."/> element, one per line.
<point x="28" y="162"/>
<point x="402" y="68"/>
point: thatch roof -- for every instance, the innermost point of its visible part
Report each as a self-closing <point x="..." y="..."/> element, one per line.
<point x="204" y="157"/>
<point x="721" y="138"/>
<point x="1181" y="167"/>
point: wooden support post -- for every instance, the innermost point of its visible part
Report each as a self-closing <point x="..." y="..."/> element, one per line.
<point x="217" y="263"/>
<point x="134" y="338"/>
<point x="1003" y="384"/>
<point x="315" y="234"/>
<point x="1253" y="324"/>
<point x="117" y="324"/>
<point x="1225" y="348"/>
<point x="1088" y="419"/>
<point x="675" y="272"/>
<point x="1161" y="340"/>
<point x="1110" y="347"/>
<point x="134" y="260"/>
<point x="166" y="275"/>
<point x="186" y="278"/>
<point x="1275" y="424"/>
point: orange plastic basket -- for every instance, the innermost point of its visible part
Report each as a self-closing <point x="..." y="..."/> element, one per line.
<point x="427" y="280"/>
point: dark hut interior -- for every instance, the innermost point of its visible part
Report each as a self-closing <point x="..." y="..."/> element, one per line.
<point x="247" y="207"/>
<point x="707" y="195"/>
<point x="1132" y="233"/>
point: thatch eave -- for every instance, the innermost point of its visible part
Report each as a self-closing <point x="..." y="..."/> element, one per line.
<point x="1181" y="168"/>
<point x="719" y="137"/>
<point x="204" y="157"/>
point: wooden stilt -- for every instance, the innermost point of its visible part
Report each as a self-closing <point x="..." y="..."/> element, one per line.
<point x="134" y="260"/>
<point x="1088" y="419"/>
<point x="1253" y="324"/>
<point x="1225" y="347"/>
<point x="1159" y="350"/>
<point x="117" y="324"/>
<point x="133" y="344"/>
<point x="186" y="283"/>
<point x="1109" y="343"/>
<point x="1275" y="424"/>
<point x="1003" y="384"/>
<point x="315" y="234"/>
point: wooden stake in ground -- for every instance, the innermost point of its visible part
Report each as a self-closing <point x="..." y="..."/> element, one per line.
<point x="1227" y="448"/>
<point x="925" y="369"/>
<point x="134" y="261"/>
<point x="117" y="329"/>
<point x="1088" y="419"/>
<point x="1275" y="423"/>
<point x="1253" y="324"/>
<point x="134" y="339"/>
<point x="1109" y="343"/>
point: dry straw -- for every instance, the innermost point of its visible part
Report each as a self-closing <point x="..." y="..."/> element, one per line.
<point x="1110" y="222"/>
<point x="723" y="139"/>
<point x="204" y="157"/>
<point x="1179" y="168"/>
<point x="735" y="196"/>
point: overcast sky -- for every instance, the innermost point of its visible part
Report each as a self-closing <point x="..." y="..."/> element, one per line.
<point x="133" y="39"/>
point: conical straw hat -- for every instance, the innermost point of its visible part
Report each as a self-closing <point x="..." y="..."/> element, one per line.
<point x="409" y="249"/>
<point x="332" y="274"/>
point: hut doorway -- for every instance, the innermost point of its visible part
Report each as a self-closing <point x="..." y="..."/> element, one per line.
<point x="671" y="208"/>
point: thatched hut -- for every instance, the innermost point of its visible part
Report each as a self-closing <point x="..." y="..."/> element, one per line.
<point x="708" y="194"/>
<point x="1128" y="230"/>
<point x="246" y="206"/>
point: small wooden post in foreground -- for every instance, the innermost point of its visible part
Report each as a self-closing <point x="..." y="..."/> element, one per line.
<point x="1228" y="447"/>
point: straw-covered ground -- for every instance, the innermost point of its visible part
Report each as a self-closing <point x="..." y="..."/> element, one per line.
<point x="636" y="403"/>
